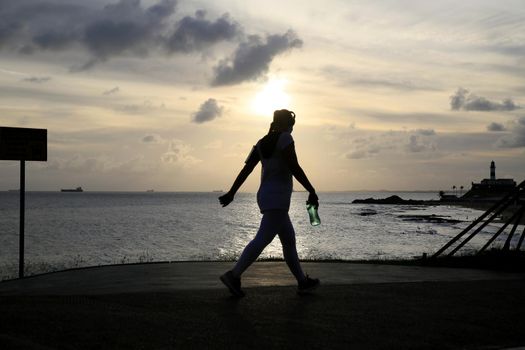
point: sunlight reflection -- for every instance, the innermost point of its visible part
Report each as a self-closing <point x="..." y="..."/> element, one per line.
<point x="271" y="97"/>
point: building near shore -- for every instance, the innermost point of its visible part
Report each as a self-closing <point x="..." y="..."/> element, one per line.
<point x="491" y="188"/>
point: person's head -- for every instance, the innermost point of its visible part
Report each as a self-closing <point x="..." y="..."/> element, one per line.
<point x="283" y="120"/>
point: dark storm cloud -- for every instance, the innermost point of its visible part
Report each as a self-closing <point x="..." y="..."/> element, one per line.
<point x="208" y="111"/>
<point x="516" y="138"/>
<point x="7" y="31"/>
<point x="253" y="57"/>
<point x="465" y="100"/>
<point x="123" y="27"/>
<point x="127" y="27"/>
<point x="131" y="28"/>
<point x="52" y="41"/>
<point x="195" y="33"/>
<point x="495" y="127"/>
<point x="41" y="25"/>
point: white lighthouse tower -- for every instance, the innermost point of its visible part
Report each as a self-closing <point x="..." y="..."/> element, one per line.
<point x="491" y="188"/>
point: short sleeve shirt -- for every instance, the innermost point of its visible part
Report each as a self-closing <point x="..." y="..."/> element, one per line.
<point x="276" y="185"/>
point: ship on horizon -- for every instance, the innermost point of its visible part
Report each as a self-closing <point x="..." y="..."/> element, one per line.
<point x="78" y="189"/>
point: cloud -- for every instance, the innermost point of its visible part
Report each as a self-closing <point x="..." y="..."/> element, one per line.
<point x="359" y="154"/>
<point x="111" y="91"/>
<point x="413" y="141"/>
<point x="217" y="144"/>
<point x="346" y="77"/>
<point x="8" y="31"/>
<point x="179" y="153"/>
<point x="516" y="138"/>
<point x="510" y="50"/>
<point x="82" y="164"/>
<point x="426" y="132"/>
<point x="127" y="27"/>
<point x="37" y="80"/>
<point x="465" y="100"/>
<point x="419" y="118"/>
<point x="116" y="29"/>
<point x="153" y="139"/>
<point x="495" y="127"/>
<point x="135" y="28"/>
<point x="27" y="24"/>
<point x="51" y="41"/>
<point x="84" y="66"/>
<point x="144" y="108"/>
<point x="253" y="57"/>
<point x="196" y="33"/>
<point x="208" y="111"/>
<point x="417" y="144"/>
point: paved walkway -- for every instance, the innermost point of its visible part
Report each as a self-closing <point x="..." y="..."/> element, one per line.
<point x="184" y="306"/>
<point x="165" y="277"/>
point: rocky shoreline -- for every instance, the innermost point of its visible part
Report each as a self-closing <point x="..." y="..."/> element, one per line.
<point x="397" y="200"/>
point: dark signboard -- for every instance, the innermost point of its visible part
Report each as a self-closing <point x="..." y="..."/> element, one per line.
<point x="23" y="144"/>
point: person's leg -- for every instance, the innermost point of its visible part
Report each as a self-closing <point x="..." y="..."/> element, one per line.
<point x="287" y="237"/>
<point x="267" y="231"/>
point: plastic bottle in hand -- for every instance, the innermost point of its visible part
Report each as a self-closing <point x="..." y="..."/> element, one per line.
<point x="314" y="215"/>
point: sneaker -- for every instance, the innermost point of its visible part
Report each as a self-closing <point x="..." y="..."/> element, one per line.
<point x="233" y="284"/>
<point x="308" y="285"/>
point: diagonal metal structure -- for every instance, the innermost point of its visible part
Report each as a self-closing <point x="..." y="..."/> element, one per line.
<point x="517" y="198"/>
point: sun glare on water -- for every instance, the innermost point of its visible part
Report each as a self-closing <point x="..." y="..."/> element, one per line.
<point x="271" y="97"/>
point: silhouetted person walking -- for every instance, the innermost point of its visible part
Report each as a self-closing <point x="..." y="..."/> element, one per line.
<point x="276" y="152"/>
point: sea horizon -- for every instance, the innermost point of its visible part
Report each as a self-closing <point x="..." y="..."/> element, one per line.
<point x="65" y="230"/>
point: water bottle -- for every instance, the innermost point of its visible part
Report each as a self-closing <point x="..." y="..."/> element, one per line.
<point x="314" y="215"/>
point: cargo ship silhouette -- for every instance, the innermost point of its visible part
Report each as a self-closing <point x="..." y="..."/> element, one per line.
<point x="78" y="189"/>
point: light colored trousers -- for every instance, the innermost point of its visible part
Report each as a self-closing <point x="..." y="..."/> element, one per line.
<point x="273" y="222"/>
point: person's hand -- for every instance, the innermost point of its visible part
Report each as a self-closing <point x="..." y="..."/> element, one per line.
<point x="226" y="199"/>
<point x="313" y="199"/>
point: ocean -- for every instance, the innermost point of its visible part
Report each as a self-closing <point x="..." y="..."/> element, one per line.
<point x="68" y="230"/>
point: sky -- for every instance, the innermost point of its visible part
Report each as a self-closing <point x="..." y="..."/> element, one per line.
<point x="171" y="95"/>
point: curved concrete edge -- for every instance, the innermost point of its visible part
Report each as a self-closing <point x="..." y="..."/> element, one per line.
<point x="166" y="277"/>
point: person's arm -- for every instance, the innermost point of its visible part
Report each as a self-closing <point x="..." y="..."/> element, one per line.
<point x="243" y="175"/>
<point x="290" y="157"/>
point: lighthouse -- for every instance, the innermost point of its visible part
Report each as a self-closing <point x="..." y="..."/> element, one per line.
<point x="491" y="188"/>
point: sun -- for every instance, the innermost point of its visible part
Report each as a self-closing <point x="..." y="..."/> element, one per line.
<point x="271" y="97"/>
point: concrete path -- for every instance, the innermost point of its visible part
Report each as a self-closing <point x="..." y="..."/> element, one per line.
<point x="165" y="277"/>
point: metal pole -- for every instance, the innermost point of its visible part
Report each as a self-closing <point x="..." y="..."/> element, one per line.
<point x="516" y="223"/>
<point x="502" y="228"/>
<point x="504" y="201"/>
<point x="22" y="217"/>
<point x="521" y="240"/>
<point x="473" y="224"/>
<point x="483" y="224"/>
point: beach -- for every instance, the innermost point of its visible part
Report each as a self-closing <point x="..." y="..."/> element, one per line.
<point x="174" y="306"/>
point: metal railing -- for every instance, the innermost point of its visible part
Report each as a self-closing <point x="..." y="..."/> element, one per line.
<point x="514" y="197"/>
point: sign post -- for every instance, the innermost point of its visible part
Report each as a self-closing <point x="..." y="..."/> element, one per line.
<point x="22" y="218"/>
<point x="23" y="144"/>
